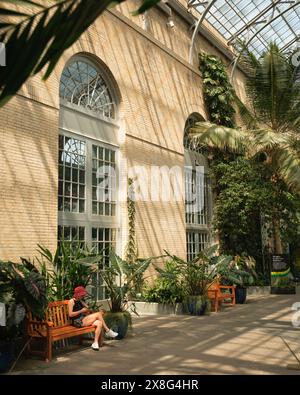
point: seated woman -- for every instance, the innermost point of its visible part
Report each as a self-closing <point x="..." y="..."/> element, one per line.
<point x="81" y="316"/>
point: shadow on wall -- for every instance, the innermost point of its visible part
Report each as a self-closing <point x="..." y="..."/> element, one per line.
<point x="157" y="96"/>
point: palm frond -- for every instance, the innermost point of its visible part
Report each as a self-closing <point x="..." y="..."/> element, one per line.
<point x="215" y="136"/>
<point x="246" y="115"/>
<point x="268" y="139"/>
<point x="287" y="165"/>
<point x="271" y="89"/>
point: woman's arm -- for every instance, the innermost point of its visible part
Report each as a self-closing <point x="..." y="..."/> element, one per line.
<point x="74" y="313"/>
<point x="84" y="304"/>
<point x="88" y="310"/>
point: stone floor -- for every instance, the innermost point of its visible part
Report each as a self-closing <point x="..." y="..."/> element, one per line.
<point x="255" y="338"/>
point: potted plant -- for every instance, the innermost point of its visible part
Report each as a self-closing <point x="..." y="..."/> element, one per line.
<point x="168" y="288"/>
<point x="63" y="270"/>
<point x="22" y="289"/>
<point x="240" y="271"/>
<point x="197" y="276"/>
<point x="119" y="277"/>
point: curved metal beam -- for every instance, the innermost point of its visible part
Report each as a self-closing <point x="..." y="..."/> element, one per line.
<point x="253" y="20"/>
<point x="258" y="31"/>
<point x="200" y="20"/>
<point x="293" y="41"/>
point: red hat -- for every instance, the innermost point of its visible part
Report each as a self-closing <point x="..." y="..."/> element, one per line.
<point x="79" y="292"/>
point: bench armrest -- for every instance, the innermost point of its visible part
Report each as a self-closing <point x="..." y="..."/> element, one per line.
<point x="48" y="324"/>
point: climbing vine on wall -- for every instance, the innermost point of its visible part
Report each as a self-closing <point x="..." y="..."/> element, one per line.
<point x="131" y="248"/>
<point x="218" y="92"/>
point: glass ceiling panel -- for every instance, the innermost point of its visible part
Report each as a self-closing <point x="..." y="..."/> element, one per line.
<point x="256" y="21"/>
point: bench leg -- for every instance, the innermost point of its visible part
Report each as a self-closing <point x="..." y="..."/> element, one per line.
<point x="216" y="305"/>
<point x="49" y="350"/>
<point x="28" y="351"/>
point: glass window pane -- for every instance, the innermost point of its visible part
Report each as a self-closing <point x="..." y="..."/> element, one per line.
<point x="95" y="208"/>
<point x="81" y="206"/>
<point x="73" y="151"/>
<point x="75" y="175"/>
<point x="82" y="85"/>
<point x="81" y="191"/>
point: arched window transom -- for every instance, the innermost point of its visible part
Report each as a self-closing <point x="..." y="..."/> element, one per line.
<point x="81" y="84"/>
<point x="188" y="142"/>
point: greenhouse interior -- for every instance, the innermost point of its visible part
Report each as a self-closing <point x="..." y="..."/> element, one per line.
<point x="150" y="189"/>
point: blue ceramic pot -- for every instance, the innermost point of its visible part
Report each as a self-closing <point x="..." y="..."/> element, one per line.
<point x="6" y="356"/>
<point x="197" y="305"/>
<point x="118" y="322"/>
<point x="240" y="295"/>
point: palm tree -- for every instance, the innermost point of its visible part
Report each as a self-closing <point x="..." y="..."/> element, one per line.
<point x="272" y="124"/>
<point x="36" y="35"/>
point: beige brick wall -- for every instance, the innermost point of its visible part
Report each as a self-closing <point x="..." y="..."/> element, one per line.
<point x="158" y="89"/>
<point x="28" y="175"/>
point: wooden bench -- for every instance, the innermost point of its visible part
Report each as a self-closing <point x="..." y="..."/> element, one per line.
<point x="57" y="326"/>
<point x="217" y="295"/>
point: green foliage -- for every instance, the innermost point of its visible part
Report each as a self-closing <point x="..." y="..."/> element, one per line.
<point x="131" y="248"/>
<point x="64" y="271"/>
<point x="168" y="288"/>
<point x="240" y="271"/>
<point x="245" y="192"/>
<point x="273" y="122"/>
<point x="218" y="92"/>
<point x="131" y="254"/>
<point x="21" y="288"/>
<point x="272" y="87"/>
<point x="118" y="277"/>
<point x="36" y="35"/>
<point x="23" y="284"/>
<point x="196" y="275"/>
<point x="113" y="319"/>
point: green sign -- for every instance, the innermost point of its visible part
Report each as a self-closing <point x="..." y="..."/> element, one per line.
<point x="281" y="276"/>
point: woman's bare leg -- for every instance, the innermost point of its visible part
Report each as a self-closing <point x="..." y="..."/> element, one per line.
<point x="91" y="318"/>
<point x="98" y="325"/>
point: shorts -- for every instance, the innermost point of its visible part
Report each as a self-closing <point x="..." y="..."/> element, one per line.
<point x="78" y="322"/>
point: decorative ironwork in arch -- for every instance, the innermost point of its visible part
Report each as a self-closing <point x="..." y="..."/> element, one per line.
<point x="83" y="85"/>
<point x="188" y="142"/>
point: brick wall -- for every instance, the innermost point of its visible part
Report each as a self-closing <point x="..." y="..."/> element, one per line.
<point x="158" y="92"/>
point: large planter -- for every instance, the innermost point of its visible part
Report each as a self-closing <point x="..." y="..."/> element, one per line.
<point x="197" y="305"/>
<point x="6" y="355"/>
<point x="240" y="295"/>
<point x="154" y="308"/>
<point x="258" y="290"/>
<point x="118" y="322"/>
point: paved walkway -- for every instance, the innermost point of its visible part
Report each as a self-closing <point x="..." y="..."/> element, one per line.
<point x="255" y="338"/>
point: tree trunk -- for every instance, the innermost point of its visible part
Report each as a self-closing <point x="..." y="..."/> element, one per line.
<point x="276" y="237"/>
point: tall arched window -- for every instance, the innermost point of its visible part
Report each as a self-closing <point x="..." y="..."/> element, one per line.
<point x="88" y="152"/>
<point x="198" y="197"/>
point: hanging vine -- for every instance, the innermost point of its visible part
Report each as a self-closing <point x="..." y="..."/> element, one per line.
<point x="218" y="92"/>
<point x="131" y="248"/>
